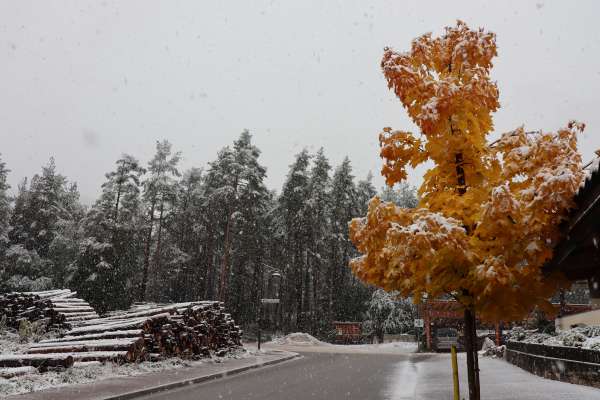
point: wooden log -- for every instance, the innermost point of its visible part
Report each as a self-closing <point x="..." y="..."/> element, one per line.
<point x="70" y="300"/>
<point x="36" y="360"/>
<point x="83" y="314"/>
<point x="112" y="325"/>
<point x="70" y="310"/>
<point x="83" y="364"/>
<point x="8" y="373"/>
<point x="87" y="345"/>
<point x="102" y="356"/>
<point x="103" y="335"/>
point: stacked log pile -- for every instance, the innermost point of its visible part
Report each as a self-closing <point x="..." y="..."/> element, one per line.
<point x="147" y="331"/>
<point x="57" y="309"/>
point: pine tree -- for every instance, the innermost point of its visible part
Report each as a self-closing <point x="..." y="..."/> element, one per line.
<point x="42" y="209"/>
<point x="250" y="224"/>
<point x="236" y="203"/>
<point x="318" y="207"/>
<point x="159" y="195"/>
<point x="295" y="234"/>
<point x="111" y="250"/>
<point x="186" y="230"/>
<point x="345" y="206"/>
<point x="401" y="194"/>
<point x="5" y="210"/>
<point x="44" y="229"/>
<point x="221" y="192"/>
<point x="364" y="193"/>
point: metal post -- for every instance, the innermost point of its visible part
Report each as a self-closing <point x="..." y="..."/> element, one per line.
<point x="258" y="323"/>
<point x="259" y="335"/>
<point x="455" y="374"/>
<point x="417" y="335"/>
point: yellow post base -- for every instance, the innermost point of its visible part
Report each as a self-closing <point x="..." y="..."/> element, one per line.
<point x="455" y="374"/>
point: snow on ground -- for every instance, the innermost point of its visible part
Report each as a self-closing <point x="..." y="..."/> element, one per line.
<point x="10" y="344"/>
<point x="587" y="337"/>
<point x="299" y="339"/>
<point x="87" y="371"/>
<point x="429" y="377"/>
<point x="303" y="342"/>
<point x="82" y="374"/>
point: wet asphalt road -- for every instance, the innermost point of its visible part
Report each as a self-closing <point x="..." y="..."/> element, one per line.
<point x="336" y="376"/>
<point x="327" y="376"/>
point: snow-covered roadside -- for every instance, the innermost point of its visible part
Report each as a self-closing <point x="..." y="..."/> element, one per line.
<point x="303" y="342"/>
<point x="10" y="343"/>
<point x="299" y="339"/>
<point x="585" y="337"/>
<point x="94" y="371"/>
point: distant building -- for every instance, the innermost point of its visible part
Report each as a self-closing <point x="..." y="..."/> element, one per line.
<point x="348" y="332"/>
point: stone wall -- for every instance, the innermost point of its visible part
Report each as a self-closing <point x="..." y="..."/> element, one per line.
<point x="567" y="364"/>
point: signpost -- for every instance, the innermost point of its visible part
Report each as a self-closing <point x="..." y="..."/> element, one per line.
<point x="419" y="323"/>
<point x="264" y="301"/>
<point x="269" y="301"/>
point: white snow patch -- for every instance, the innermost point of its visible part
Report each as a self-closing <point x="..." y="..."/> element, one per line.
<point x="299" y="339"/>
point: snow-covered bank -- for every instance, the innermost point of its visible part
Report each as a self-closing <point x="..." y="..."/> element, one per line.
<point x="10" y="343"/>
<point x="95" y="371"/>
<point x="587" y="337"/>
<point x="303" y="342"/>
<point x="299" y="339"/>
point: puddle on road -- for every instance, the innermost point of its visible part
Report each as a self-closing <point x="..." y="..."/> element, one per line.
<point x="401" y="383"/>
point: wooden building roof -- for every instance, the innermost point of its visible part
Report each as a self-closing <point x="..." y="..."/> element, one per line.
<point x="578" y="254"/>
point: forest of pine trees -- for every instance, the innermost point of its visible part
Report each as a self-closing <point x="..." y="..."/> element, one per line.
<point x="157" y="233"/>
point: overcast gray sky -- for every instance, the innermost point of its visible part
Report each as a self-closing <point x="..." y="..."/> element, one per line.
<point x="85" y="81"/>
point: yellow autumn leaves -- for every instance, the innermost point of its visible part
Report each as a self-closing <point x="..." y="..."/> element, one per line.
<point x="489" y="213"/>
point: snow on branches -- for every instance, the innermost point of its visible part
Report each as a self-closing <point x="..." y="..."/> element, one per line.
<point x="488" y="215"/>
<point x="404" y="248"/>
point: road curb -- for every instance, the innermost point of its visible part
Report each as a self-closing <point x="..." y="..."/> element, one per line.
<point x="200" y="379"/>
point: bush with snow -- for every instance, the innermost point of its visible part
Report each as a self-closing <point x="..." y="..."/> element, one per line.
<point x="587" y="337"/>
<point x="388" y="312"/>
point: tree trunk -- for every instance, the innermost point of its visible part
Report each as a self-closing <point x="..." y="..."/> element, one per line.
<point x="380" y="335"/>
<point x="208" y="256"/>
<point x="147" y="255"/>
<point x="225" y="264"/>
<point x="470" y="321"/>
<point x="471" y="353"/>
<point x="117" y="204"/>
<point x="157" y="257"/>
<point x="315" y="295"/>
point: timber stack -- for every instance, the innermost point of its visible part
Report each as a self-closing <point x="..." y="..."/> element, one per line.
<point x="56" y="309"/>
<point x="147" y="331"/>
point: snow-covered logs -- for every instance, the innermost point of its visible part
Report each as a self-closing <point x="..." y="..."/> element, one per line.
<point x="55" y="308"/>
<point x="148" y="332"/>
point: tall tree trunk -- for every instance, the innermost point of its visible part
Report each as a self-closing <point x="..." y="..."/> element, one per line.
<point x="225" y="263"/>
<point x="306" y="291"/>
<point x="147" y="254"/>
<point x="331" y="280"/>
<point x="157" y="257"/>
<point x="471" y="353"/>
<point x="470" y="321"/>
<point x="209" y="279"/>
<point x="315" y="293"/>
<point x="299" y="261"/>
<point x="117" y="203"/>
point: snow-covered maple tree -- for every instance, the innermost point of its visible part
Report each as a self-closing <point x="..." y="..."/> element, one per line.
<point x="488" y="214"/>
